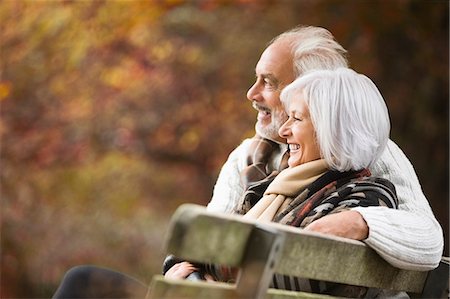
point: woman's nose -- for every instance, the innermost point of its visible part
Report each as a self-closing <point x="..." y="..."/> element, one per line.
<point x="284" y="130"/>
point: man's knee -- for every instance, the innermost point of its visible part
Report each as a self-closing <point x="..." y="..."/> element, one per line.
<point x="78" y="274"/>
<point x="74" y="282"/>
<point x="97" y="282"/>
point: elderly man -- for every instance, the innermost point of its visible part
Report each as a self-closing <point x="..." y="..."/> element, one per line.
<point x="408" y="238"/>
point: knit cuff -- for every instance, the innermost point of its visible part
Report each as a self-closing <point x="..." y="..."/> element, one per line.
<point x="403" y="239"/>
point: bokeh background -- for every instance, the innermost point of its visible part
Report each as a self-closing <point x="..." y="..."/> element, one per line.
<point x="113" y="113"/>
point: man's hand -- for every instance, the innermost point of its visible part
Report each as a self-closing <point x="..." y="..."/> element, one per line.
<point x="348" y="224"/>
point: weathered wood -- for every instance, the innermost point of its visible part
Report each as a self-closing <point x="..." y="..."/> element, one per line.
<point x="283" y="294"/>
<point x="184" y="289"/>
<point x="336" y="259"/>
<point x="179" y="289"/>
<point x="262" y="253"/>
<point x="227" y="240"/>
<point x="200" y="236"/>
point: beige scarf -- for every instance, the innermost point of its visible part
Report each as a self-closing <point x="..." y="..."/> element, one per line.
<point x="287" y="185"/>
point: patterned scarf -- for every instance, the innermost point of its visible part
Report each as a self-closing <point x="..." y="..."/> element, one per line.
<point x="302" y="194"/>
<point x="257" y="176"/>
<point x="287" y="185"/>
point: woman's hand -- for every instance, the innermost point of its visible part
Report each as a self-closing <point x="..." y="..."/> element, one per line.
<point x="180" y="270"/>
<point x="348" y="224"/>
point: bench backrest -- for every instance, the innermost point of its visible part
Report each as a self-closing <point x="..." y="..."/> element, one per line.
<point x="262" y="249"/>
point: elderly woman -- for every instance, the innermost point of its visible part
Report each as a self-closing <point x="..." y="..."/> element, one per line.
<point x="338" y="126"/>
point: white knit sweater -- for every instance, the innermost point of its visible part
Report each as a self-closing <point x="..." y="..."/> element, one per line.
<point x="408" y="238"/>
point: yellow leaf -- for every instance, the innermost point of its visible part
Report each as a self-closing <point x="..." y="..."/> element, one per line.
<point x="5" y="90"/>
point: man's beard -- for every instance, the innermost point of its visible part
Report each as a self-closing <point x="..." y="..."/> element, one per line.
<point x="271" y="131"/>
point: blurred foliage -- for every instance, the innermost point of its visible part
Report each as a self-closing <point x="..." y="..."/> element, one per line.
<point x="115" y="112"/>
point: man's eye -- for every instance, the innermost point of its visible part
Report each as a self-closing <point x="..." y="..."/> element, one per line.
<point x="271" y="85"/>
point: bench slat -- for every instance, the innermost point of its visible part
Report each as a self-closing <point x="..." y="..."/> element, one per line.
<point x="178" y="289"/>
<point x="345" y="261"/>
<point x="162" y="288"/>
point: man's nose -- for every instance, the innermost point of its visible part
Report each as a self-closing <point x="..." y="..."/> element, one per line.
<point x="253" y="94"/>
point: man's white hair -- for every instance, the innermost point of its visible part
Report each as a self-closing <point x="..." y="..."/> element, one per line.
<point x="348" y="113"/>
<point x="313" y="48"/>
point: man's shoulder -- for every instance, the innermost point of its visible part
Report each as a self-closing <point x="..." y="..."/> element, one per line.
<point x="239" y="154"/>
<point x="394" y="165"/>
<point x="243" y="147"/>
<point x="391" y="156"/>
<point x="393" y="149"/>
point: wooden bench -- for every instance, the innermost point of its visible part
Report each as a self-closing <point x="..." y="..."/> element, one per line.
<point x="259" y="250"/>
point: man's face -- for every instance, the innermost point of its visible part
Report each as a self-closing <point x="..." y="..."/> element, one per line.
<point x="274" y="71"/>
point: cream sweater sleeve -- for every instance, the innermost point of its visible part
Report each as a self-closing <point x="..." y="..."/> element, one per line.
<point x="410" y="237"/>
<point x="229" y="188"/>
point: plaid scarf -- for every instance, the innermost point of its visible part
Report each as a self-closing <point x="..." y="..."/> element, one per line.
<point x="299" y="195"/>
<point x="256" y="176"/>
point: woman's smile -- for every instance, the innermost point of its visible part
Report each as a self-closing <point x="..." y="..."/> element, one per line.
<point x="293" y="147"/>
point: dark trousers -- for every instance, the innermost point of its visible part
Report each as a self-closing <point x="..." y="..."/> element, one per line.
<point x="96" y="282"/>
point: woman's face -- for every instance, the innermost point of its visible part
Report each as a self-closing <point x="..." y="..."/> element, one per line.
<point x="299" y="132"/>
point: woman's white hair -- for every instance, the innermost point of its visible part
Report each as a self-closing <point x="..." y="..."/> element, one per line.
<point x="348" y="113"/>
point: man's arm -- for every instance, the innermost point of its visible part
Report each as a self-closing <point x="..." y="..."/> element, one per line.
<point x="229" y="188"/>
<point x="408" y="238"/>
